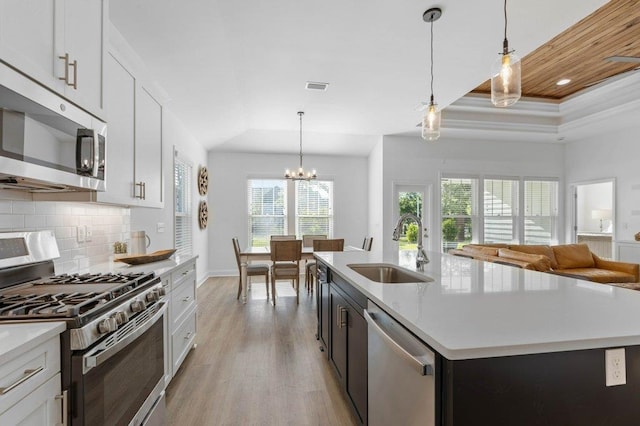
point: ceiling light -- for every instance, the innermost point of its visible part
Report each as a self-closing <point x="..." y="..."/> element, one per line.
<point x="431" y="119"/>
<point x="505" y="74"/>
<point x="300" y="174"/>
<point x="314" y="85"/>
<point x="563" y="82"/>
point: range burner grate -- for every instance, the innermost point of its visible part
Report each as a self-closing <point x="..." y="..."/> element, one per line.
<point x="90" y="278"/>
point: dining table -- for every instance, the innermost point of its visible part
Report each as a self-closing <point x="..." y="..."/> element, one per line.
<point x="253" y="253"/>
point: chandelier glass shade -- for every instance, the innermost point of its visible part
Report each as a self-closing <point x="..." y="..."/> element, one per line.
<point x="300" y="173"/>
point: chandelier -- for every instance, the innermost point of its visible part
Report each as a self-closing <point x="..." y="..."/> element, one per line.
<point x="300" y="174"/>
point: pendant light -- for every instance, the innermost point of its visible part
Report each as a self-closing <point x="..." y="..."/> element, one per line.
<point x="300" y="174"/>
<point x="431" y="119"/>
<point x="505" y="74"/>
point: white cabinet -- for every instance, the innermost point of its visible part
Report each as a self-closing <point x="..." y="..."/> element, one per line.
<point x="628" y="251"/>
<point x="148" y="149"/>
<point x="30" y="386"/>
<point x="134" y="140"/>
<point x="59" y="43"/>
<point x="181" y="331"/>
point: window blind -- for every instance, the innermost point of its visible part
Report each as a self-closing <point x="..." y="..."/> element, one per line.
<point x="267" y="200"/>
<point x="500" y="203"/>
<point x="314" y="208"/>
<point x="183" y="217"/>
<point x="541" y="211"/>
<point x="457" y="197"/>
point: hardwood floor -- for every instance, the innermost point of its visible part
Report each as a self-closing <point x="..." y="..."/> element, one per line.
<point x="255" y="364"/>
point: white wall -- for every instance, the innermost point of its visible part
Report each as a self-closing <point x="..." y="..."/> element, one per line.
<point x="147" y="219"/>
<point x="612" y="155"/>
<point x="228" y="174"/>
<point x="412" y="160"/>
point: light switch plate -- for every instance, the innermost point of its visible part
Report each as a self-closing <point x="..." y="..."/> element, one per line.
<point x="615" y="367"/>
<point x="160" y="227"/>
<point x="82" y="233"/>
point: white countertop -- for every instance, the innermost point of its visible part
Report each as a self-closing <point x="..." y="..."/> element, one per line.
<point x="19" y="337"/>
<point x="478" y="309"/>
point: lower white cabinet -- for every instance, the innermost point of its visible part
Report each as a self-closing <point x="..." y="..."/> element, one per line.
<point x="42" y="406"/>
<point x="30" y="386"/>
<point x="180" y="325"/>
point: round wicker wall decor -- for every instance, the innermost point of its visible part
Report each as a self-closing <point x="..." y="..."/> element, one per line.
<point x="203" y="180"/>
<point x="203" y="214"/>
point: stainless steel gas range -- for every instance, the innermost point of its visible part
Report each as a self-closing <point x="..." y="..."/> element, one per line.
<point x="112" y="353"/>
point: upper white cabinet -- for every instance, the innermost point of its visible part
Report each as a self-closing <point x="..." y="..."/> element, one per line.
<point x="120" y="105"/>
<point x="134" y="139"/>
<point x="148" y="149"/>
<point x="59" y="43"/>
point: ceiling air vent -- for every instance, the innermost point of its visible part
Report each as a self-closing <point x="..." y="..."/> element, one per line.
<point x="314" y="85"/>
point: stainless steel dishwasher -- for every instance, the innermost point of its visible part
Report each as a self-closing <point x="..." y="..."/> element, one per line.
<point x="401" y="384"/>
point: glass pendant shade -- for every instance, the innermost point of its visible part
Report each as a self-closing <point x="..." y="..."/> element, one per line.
<point x="431" y="123"/>
<point x="506" y="86"/>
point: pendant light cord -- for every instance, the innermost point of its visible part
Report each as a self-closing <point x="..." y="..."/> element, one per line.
<point x="505" y="43"/>
<point x="300" y="114"/>
<point x="432" y="60"/>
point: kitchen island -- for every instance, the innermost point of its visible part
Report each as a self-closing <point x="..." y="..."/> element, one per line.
<point x="513" y="346"/>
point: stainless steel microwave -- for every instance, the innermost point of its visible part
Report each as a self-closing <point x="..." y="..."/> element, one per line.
<point x="47" y="144"/>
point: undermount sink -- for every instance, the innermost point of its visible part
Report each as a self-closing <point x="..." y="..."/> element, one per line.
<point x="387" y="273"/>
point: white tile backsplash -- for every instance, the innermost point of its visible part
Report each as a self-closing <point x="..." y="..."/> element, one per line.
<point x="108" y="225"/>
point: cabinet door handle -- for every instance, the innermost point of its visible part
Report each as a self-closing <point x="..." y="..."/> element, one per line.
<point x="340" y="321"/>
<point x="65" y="418"/>
<point x="74" y="65"/>
<point x="65" y="58"/>
<point x="186" y="299"/>
<point x="141" y="185"/>
<point x="144" y="190"/>
<point x="26" y="376"/>
<point x="188" y="336"/>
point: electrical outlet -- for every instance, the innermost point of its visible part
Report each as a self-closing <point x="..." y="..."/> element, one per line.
<point x="88" y="233"/>
<point x="615" y="367"/>
<point x="82" y="233"/>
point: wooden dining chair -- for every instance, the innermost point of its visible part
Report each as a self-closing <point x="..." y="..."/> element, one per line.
<point x="252" y="270"/>
<point x="335" y="244"/>
<point x="285" y="255"/>
<point x="307" y="240"/>
<point x="366" y="244"/>
<point x="282" y="237"/>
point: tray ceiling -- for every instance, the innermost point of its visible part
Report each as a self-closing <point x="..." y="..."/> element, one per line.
<point x="579" y="53"/>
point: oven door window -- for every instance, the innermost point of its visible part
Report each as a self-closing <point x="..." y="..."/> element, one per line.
<point x="115" y="390"/>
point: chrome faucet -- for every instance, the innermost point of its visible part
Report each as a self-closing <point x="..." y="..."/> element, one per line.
<point x="421" y="256"/>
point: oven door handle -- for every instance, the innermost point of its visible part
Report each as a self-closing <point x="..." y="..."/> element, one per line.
<point x="104" y="352"/>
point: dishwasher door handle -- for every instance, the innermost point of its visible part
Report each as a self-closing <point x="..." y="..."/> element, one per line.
<point x="424" y="368"/>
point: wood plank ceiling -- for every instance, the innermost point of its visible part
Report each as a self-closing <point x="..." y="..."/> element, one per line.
<point x="579" y="53"/>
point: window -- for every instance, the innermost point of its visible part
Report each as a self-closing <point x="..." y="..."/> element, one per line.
<point x="268" y="205"/>
<point x="499" y="220"/>
<point x="457" y="197"/>
<point x="182" y="215"/>
<point x="500" y="210"/>
<point x="267" y="212"/>
<point x="314" y="208"/>
<point x="540" y="211"/>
